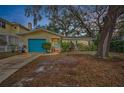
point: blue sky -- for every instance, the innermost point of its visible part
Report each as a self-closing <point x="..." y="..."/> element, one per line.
<point x="15" y="13"/>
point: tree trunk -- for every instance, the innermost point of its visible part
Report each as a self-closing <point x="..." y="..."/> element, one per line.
<point x="106" y="34"/>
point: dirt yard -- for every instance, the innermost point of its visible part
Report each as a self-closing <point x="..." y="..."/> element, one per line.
<point x="69" y="70"/>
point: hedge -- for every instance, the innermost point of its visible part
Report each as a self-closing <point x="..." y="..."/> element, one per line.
<point x="117" y="46"/>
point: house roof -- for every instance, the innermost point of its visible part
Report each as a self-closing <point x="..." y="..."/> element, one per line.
<point x="14" y="23"/>
<point x="39" y="30"/>
<point x="20" y="26"/>
<point x="6" y="21"/>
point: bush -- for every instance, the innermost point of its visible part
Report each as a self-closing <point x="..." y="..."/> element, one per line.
<point x="117" y="46"/>
<point x="47" y="46"/>
<point x="82" y="47"/>
<point x="96" y="41"/>
<point x="65" y="46"/>
<point x="93" y="47"/>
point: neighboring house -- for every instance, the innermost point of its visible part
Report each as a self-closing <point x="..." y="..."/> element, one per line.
<point x="8" y="37"/>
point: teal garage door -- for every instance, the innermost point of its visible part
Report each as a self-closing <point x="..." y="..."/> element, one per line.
<point x="35" y="45"/>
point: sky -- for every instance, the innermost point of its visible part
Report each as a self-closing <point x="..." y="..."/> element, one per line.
<point x="15" y="13"/>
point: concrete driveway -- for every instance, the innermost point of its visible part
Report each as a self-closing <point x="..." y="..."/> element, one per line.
<point x="10" y="65"/>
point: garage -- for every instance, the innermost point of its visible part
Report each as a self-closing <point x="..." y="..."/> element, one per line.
<point x="34" y="40"/>
<point x="35" y="45"/>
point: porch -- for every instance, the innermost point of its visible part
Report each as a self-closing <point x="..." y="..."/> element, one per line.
<point x="9" y="42"/>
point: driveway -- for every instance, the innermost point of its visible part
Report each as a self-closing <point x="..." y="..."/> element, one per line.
<point x="10" y="65"/>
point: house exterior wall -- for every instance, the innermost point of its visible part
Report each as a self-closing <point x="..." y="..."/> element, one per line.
<point x="22" y="30"/>
<point x="40" y="35"/>
<point x="7" y="29"/>
<point x="18" y="29"/>
<point x="12" y="29"/>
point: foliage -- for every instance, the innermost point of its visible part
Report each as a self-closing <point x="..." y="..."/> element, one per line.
<point x="120" y="26"/>
<point x="83" y="47"/>
<point x="35" y="12"/>
<point x="65" y="46"/>
<point x="117" y="46"/>
<point x="96" y="39"/>
<point x="52" y="27"/>
<point x="92" y="47"/>
<point x="69" y="19"/>
<point x="121" y="33"/>
<point x="47" y="46"/>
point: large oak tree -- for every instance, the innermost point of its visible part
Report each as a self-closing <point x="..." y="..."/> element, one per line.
<point x="108" y="28"/>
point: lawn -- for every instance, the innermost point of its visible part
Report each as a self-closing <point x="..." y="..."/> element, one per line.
<point x="69" y="70"/>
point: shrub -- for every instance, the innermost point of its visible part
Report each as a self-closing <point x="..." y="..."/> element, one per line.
<point x="92" y="47"/>
<point x="96" y="41"/>
<point x="82" y="47"/>
<point x="47" y="46"/>
<point x="65" y="46"/>
<point x="117" y="46"/>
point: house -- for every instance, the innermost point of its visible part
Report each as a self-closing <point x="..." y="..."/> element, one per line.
<point x="14" y="34"/>
<point x="35" y="39"/>
<point x="8" y="37"/>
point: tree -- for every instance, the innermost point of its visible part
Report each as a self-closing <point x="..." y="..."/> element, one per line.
<point x="66" y="19"/>
<point x="98" y="14"/>
<point x="89" y="17"/>
<point x="120" y="26"/>
<point x="34" y="11"/>
<point x="78" y="13"/>
<point x="109" y="23"/>
<point x="62" y="20"/>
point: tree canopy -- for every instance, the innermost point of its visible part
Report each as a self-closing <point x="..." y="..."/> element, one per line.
<point x="70" y="20"/>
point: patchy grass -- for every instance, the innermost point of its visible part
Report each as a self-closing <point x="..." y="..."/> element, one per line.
<point x="71" y="70"/>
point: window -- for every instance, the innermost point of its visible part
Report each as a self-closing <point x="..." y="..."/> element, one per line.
<point x="2" y="24"/>
<point x="2" y="40"/>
